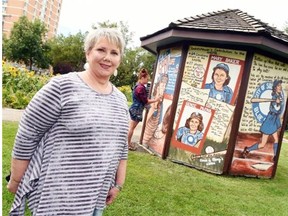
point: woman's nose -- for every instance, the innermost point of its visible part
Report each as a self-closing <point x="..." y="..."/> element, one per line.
<point x="107" y="58"/>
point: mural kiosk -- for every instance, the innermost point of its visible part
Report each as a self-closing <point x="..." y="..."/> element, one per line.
<point x="224" y="107"/>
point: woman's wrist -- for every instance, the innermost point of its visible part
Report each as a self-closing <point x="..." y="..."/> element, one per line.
<point x="118" y="186"/>
<point x="14" y="180"/>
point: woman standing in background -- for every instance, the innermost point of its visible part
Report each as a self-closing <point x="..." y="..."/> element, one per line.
<point x="140" y="100"/>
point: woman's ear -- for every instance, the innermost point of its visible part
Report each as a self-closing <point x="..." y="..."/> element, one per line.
<point x="87" y="55"/>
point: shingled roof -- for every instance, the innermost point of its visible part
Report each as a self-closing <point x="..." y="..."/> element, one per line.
<point x="229" y="20"/>
<point x="230" y="25"/>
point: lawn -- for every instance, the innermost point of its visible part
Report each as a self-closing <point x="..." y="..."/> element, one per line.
<point x="161" y="187"/>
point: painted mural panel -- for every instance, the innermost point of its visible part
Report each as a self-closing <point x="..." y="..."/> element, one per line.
<point x="257" y="145"/>
<point x="158" y="116"/>
<point x="207" y="99"/>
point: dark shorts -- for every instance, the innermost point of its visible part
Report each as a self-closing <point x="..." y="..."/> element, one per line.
<point x="136" y="114"/>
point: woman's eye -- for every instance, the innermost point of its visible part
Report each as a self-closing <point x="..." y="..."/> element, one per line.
<point x="115" y="53"/>
<point x="100" y="50"/>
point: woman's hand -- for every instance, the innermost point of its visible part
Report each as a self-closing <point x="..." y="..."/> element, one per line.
<point x="112" y="194"/>
<point x="12" y="185"/>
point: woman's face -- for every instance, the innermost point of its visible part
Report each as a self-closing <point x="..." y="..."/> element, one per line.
<point x="193" y="124"/>
<point x="145" y="80"/>
<point x="219" y="76"/>
<point x="279" y="88"/>
<point x="104" y="58"/>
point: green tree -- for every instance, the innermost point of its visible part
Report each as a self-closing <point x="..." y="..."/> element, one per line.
<point x="27" y="43"/>
<point x="123" y="27"/>
<point x="67" y="53"/>
<point x="4" y="45"/>
<point x="134" y="60"/>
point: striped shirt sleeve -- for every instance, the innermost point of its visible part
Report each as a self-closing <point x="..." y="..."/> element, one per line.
<point x="40" y="114"/>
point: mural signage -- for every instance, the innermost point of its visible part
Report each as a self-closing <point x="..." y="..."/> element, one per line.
<point x="206" y="103"/>
<point x="257" y="145"/>
<point x="158" y="116"/>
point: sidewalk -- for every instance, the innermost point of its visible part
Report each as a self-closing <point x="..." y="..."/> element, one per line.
<point x="9" y="114"/>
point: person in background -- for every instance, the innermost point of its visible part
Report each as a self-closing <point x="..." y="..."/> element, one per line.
<point x="219" y="88"/>
<point x="70" y="152"/>
<point x="140" y="100"/>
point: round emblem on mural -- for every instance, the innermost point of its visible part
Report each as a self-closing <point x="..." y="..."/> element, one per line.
<point x="209" y="149"/>
<point x="199" y="72"/>
<point x="218" y="96"/>
<point x="190" y="139"/>
<point x="260" y="109"/>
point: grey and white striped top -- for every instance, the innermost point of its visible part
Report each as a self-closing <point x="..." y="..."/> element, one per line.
<point x="74" y="138"/>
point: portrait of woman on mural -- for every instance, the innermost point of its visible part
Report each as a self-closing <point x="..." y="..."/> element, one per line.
<point x="191" y="134"/>
<point x="193" y="124"/>
<point x="219" y="88"/>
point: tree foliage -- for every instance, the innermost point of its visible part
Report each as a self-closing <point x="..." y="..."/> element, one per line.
<point x="67" y="53"/>
<point x="27" y="43"/>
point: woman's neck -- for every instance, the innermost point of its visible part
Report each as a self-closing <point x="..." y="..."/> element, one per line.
<point x="218" y="87"/>
<point x="193" y="131"/>
<point x="99" y="84"/>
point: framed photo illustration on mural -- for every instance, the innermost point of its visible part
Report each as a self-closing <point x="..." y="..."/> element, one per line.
<point x="223" y="77"/>
<point x="192" y="127"/>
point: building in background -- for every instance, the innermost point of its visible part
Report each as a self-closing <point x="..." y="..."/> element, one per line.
<point x="48" y="11"/>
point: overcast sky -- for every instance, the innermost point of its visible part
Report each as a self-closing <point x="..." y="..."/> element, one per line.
<point x="148" y="16"/>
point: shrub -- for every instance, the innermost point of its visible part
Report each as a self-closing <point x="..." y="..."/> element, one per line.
<point x="126" y="90"/>
<point x="19" y="85"/>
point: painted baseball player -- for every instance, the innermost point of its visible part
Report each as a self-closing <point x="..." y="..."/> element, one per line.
<point x="272" y="122"/>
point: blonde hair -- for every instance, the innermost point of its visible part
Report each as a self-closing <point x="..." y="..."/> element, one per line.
<point x="111" y="34"/>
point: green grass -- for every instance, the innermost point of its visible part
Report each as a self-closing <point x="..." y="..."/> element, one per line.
<point x="8" y="135"/>
<point x="161" y="187"/>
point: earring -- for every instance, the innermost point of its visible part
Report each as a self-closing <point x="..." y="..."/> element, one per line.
<point x="115" y="73"/>
<point x="86" y="65"/>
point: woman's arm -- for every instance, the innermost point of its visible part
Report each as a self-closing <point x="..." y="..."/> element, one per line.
<point x="40" y="114"/>
<point x="119" y="182"/>
<point x="18" y="168"/>
<point x="121" y="173"/>
<point x="154" y="100"/>
<point x="141" y="94"/>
